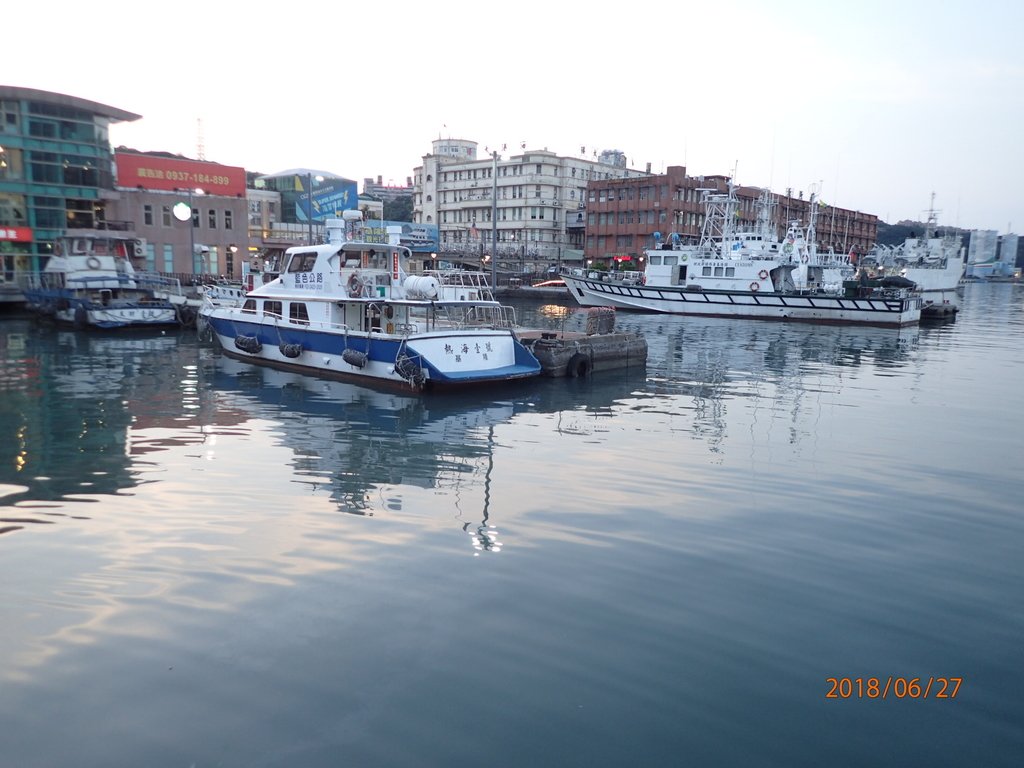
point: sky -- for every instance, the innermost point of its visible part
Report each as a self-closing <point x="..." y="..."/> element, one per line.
<point x="874" y="105"/>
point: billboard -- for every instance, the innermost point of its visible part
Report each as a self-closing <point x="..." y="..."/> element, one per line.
<point x="169" y="174"/>
<point x="330" y="197"/>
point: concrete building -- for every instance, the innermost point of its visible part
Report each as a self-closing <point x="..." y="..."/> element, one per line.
<point x="623" y="214"/>
<point x="386" y="192"/>
<point x="56" y="173"/>
<point x="540" y="199"/>
<point x="190" y="216"/>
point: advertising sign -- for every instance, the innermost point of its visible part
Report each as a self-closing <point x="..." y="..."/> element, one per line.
<point x="169" y="174"/>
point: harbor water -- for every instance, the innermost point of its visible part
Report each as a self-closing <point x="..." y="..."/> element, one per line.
<point x="778" y="545"/>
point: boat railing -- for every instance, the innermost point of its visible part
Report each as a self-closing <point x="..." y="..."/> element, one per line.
<point x="460" y="317"/>
<point x="478" y="281"/>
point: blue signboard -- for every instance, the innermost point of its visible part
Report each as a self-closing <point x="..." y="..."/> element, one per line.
<point x="330" y="198"/>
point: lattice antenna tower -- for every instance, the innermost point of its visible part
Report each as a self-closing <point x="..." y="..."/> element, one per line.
<point x="200" y="146"/>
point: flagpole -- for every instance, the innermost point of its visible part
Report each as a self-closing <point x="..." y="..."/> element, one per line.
<point x="494" y="220"/>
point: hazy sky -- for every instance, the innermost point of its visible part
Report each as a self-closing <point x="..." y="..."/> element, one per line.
<point x="878" y="104"/>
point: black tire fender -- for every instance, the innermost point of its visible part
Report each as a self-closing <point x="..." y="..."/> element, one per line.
<point x="578" y="366"/>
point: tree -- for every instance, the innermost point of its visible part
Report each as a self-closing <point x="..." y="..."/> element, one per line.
<point x="398" y="209"/>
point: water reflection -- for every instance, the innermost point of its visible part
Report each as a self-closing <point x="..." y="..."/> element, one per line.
<point x="68" y="410"/>
<point x="366" y="448"/>
<point x="84" y="415"/>
<point x="699" y="366"/>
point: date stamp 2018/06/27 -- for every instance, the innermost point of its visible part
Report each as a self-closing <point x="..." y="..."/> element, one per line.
<point x="895" y="687"/>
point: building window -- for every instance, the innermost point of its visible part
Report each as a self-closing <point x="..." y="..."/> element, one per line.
<point x="212" y="218"/>
<point x="147" y="215"/>
<point x="229" y="222"/>
<point x="168" y="258"/>
<point x="166" y="215"/>
<point x="195" y="218"/>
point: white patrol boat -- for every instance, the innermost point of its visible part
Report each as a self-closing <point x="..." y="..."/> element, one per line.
<point x="751" y="275"/>
<point x="90" y="282"/>
<point x="349" y="309"/>
<point x="934" y="263"/>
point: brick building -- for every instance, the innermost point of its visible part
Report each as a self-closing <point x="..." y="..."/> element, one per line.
<point x="622" y="214"/>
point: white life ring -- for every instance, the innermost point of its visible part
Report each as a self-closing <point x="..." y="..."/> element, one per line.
<point x="754" y="287"/>
<point x="92" y="263"/>
<point x="355" y="285"/>
<point x="763" y="274"/>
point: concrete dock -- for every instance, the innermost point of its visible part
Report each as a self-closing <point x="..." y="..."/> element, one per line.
<point x="579" y="353"/>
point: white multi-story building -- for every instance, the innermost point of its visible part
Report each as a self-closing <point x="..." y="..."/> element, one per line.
<point x="533" y="202"/>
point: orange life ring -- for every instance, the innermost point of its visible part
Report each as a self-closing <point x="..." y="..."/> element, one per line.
<point x="763" y="274"/>
<point x="754" y="287"/>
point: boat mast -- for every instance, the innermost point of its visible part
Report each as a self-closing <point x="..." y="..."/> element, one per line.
<point x="719" y="218"/>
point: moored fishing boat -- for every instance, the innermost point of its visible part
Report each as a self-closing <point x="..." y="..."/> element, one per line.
<point x="90" y="282"/>
<point x="751" y="275"/>
<point x="350" y="309"/>
<point x="934" y="262"/>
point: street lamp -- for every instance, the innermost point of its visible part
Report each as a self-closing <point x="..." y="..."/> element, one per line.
<point x="309" y="187"/>
<point x="183" y="212"/>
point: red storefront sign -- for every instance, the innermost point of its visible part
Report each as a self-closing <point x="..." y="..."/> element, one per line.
<point x="164" y="173"/>
<point x="16" y="234"/>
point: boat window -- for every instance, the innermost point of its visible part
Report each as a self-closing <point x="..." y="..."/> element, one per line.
<point x="302" y="262"/>
<point x="719" y="271"/>
<point x="249" y="306"/>
<point x="298" y="313"/>
<point x="730" y="271"/>
<point x="272" y="308"/>
<point x="670" y="261"/>
<point x="707" y="272"/>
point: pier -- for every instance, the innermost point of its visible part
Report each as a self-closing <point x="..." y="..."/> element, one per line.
<point x="579" y="353"/>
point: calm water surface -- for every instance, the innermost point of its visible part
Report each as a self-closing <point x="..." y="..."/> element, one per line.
<point x="207" y="564"/>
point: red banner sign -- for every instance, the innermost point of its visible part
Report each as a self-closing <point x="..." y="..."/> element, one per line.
<point x="16" y="234"/>
<point x="164" y="173"/>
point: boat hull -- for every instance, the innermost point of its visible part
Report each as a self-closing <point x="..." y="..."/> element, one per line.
<point x="797" y="307"/>
<point x="438" y="359"/>
<point x="69" y="308"/>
